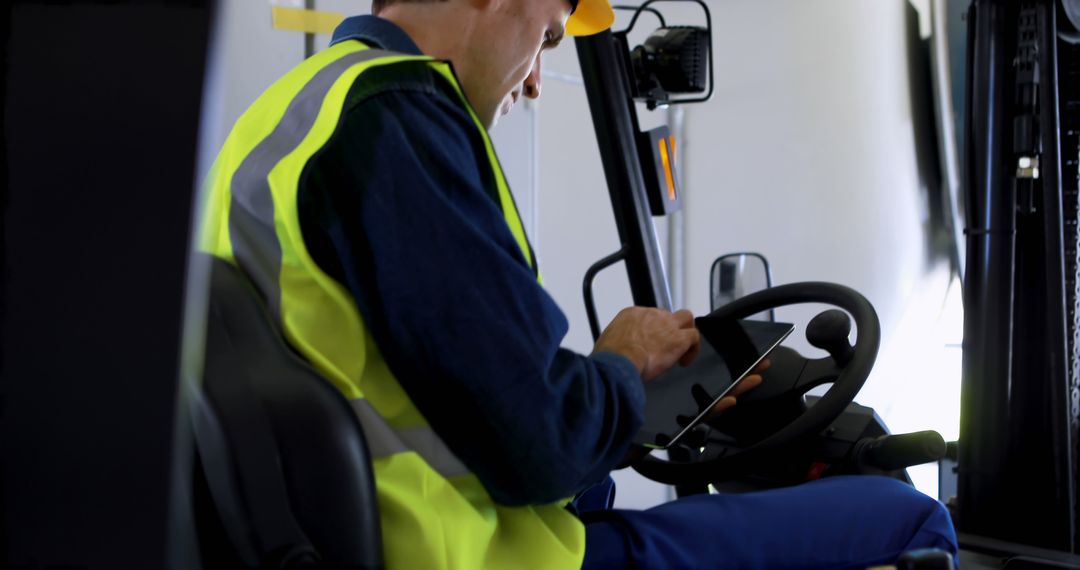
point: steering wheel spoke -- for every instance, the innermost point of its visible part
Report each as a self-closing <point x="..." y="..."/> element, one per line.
<point x="817" y="373"/>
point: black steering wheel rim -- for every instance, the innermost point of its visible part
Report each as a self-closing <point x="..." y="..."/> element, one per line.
<point x="815" y="419"/>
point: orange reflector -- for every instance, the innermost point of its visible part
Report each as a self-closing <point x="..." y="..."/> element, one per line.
<point x="672" y="139"/>
<point x="667" y="170"/>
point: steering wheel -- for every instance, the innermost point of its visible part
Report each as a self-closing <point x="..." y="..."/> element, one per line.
<point x="748" y="434"/>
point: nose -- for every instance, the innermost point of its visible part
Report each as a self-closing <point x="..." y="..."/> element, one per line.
<point x="531" y="86"/>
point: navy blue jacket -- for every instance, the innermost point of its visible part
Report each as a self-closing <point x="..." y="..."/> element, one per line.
<point x="401" y="208"/>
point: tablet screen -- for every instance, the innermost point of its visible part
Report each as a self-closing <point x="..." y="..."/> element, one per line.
<point x="730" y="349"/>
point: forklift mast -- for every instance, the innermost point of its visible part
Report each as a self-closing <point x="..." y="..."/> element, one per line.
<point x="1020" y="398"/>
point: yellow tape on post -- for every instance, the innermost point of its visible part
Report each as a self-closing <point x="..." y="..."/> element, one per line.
<point x="307" y="21"/>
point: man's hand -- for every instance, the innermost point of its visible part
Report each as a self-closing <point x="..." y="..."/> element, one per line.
<point x="653" y="339"/>
<point x="751" y="381"/>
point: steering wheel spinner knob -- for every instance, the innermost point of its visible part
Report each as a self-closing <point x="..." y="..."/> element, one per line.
<point x="829" y="331"/>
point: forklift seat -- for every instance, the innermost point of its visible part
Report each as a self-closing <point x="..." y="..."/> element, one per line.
<point x="283" y="475"/>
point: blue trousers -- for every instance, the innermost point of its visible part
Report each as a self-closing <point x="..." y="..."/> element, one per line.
<point x="837" y="522"/>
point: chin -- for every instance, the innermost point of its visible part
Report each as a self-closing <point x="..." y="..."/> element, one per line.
<point x="493" y="119"/>
<point x="504" y="108"/>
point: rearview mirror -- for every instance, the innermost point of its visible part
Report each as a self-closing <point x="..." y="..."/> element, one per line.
<point x="738" y="274"/>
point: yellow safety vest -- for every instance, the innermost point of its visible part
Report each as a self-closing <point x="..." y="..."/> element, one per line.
<point x="434" y="512"/>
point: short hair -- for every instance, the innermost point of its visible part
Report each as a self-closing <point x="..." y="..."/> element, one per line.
<point x="378" y="5"/>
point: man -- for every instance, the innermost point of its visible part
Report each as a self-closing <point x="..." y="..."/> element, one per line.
<point x="362" y="196"/>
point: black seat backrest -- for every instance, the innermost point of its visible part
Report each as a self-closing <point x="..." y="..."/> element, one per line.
<point x="284" y="471"/>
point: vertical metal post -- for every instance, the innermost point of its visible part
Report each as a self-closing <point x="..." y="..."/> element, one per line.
<point x="309" y="38"/>
<point x="676" y="243"/>
<point x="1041" y="360"/>
<point x="1017" y="478"/>
<point x="616" y="125"/>
<point x="988" y="283"/>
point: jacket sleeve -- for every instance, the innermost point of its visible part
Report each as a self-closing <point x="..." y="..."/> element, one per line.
<point x="400" y="207"/>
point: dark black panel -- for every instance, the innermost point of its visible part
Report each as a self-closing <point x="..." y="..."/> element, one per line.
<point x="1017" y="479"/>
<point x="100" y="125"/>
<point x="1069" y="110"/>
<point x="988" y="283"/>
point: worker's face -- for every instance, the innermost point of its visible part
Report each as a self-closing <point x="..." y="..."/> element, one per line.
<point x="505" y="59"/>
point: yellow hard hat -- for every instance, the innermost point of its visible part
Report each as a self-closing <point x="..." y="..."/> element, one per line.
<point x="590" y="17"/>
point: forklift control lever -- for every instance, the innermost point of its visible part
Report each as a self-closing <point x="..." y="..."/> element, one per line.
<point x="892" y="452"/>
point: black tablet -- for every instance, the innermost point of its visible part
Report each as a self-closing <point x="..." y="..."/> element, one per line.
<point x="678" y="400"/>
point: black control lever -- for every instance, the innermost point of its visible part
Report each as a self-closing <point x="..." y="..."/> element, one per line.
<point x="892" y="452"/>
<point x="829" y="331"/>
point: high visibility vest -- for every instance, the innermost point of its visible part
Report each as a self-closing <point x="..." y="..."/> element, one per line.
<point x="434" y="512"/>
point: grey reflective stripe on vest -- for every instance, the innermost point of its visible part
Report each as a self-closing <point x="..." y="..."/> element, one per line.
<point x="257" y="250"/>
<point x="384" y="441"/>
<point x="251" y="211"/>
